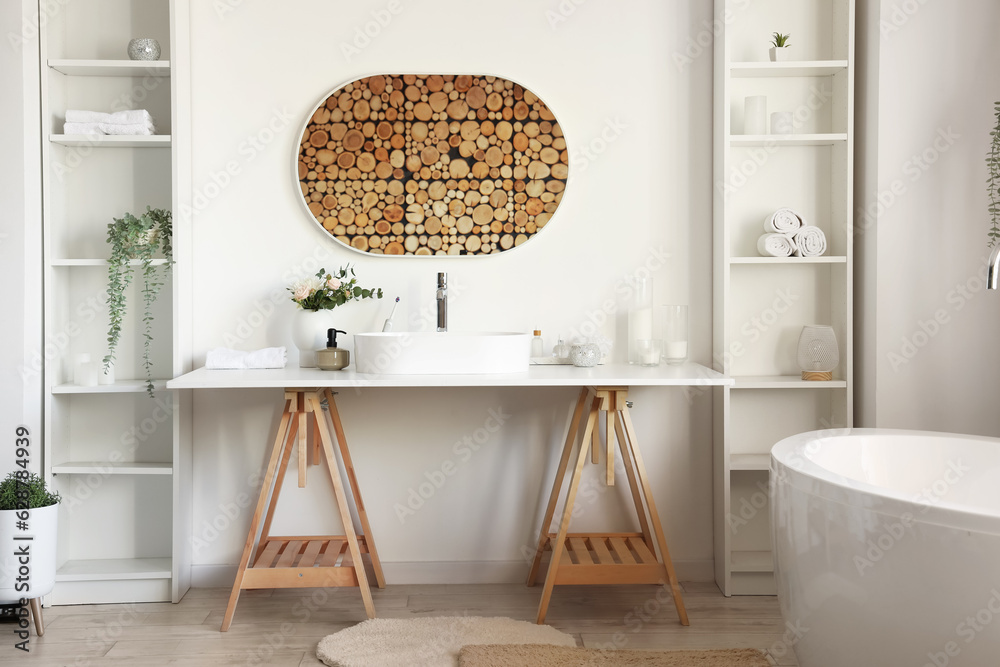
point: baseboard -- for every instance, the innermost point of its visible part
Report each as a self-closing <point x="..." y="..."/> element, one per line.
<point x="461" y="572"/>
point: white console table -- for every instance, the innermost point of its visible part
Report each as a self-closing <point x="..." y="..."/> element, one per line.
<point x="576" y="558"/>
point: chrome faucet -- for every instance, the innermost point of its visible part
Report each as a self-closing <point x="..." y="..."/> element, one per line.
<point x="994" y="273"/>
<point x="442" y="301"/>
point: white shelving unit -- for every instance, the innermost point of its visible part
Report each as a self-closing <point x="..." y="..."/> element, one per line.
<point x="761" y="303"/>
<point x="120" y="459"/>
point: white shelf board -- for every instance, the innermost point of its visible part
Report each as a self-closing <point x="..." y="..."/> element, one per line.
<point x="810" y="68"/>
<point x="750" y="462"/>
<point x="114" y="569"/>
<point x="825" y="259"/>
<point x="750" y="140"/>
<point x="80" y="67"/>
<point x="112" y="140"/>
<point x="784" y="382"/>
<point x="108" y="468"/>
<point x="119" y="387"/>
<point x="751" y="561"/>
<point x="98" y="262"/>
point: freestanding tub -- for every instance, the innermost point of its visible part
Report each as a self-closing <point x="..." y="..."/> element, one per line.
<point x="887" y="547"/>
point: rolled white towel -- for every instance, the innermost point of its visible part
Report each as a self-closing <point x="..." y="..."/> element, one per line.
<point x="225" y="358"/>
<point x="776" y="245"/>
<point x="810" y="242"/>
<point x="132" y="129"/>
<point x="783" y="221"/>
<point x="82" y="128"/>
<point x="126" y="117"/>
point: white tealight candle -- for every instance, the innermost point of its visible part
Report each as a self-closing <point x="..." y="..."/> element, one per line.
<point x="677" y="351"/>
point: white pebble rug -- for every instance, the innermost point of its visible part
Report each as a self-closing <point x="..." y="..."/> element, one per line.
<point x="427" y="642"/>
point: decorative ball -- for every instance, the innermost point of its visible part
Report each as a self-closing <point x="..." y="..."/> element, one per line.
<point x="144" y="48"/>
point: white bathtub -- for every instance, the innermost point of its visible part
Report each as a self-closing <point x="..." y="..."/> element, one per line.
<point x="887" y="547"/>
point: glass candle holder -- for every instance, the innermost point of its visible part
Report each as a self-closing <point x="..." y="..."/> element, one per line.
<point x="640" y="318"/>
<point x="675" y="334"/>
<point x="649" y="351"/>
<point x="818" y="352"/>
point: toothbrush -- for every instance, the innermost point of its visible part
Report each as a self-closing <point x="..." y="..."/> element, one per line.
<point x="388" y="321"/>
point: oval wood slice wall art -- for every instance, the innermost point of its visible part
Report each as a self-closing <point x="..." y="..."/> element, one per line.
<point x="432" y="165"/>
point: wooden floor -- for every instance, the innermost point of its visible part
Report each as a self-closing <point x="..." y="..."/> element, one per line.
<point x="282" y="627"/>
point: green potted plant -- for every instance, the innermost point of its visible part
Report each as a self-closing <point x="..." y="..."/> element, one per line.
<point x="779" y="44"/>
<point x="137" y="238"/>
<point x="993" y="182"/>
<point x="28" y="529"/>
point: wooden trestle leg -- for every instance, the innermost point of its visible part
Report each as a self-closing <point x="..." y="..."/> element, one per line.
<point x="604" y="558"/>
<point x="309" y="561"/>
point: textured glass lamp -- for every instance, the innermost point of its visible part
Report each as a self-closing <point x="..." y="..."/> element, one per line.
<point x="818" y="352"/>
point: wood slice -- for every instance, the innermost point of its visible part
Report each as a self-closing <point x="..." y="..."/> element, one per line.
<point x="432" y="225"/>
<point x="376" y="84"/>
<point x="534" y="206"/>
<point x="463" y="83"/>
<point x="457" y="109"/>
<point x="415" y="213"/>
<point x="520" y="141"/>
<point x="361" y="110"/>
<point x="549" y="155"/>
<point x="438" y="101"/>
<point x="393" y="213"/>
<point x="494" y="101"/>
<point x="435" y="242"/>
<point x="534" y="188"/>
<point x="329" y="202"/>
<point x="345" y="160"/>
<point x="411" y="243"/>
<point x="319" y="138"/>
<point x="366" y="162"/>
<point x="383" y="170"/>
<point x="441" y="130"/>
<point x="560" y="171"/>
<point x="498" y="199"/>
<point x="419" y="131"/>
<point x="456" y="207"/>
<point x="360" y="242"/>
<point x="458" y="168"/>
<point x="422" y="111"/>
<point x="521" y="110"/>
<point x="353" y="140"/>
<point x="412" y="92"/>
<point x="483" y="214"/>
<point x="538" y="170"/>
<point x="413" y="163"/>
<point x="396" y="99"/>
<point x="325" y="157"/>
<point x="463" y="224"/>
<point x="493" y="156"/>
<point x="435" y="82"/>
<point x="470" y="128"/>
<point x="476" y="97"/>
<point x="429" y="155"/>
<point x="472" y="244"/>
<point x="437" y="189"/>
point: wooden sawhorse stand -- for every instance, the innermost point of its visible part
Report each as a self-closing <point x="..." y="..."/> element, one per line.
<point x="315" y="561"/>
<point x="604" y="558"/>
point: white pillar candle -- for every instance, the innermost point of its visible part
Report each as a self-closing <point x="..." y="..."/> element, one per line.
<point x="755" y="114"/>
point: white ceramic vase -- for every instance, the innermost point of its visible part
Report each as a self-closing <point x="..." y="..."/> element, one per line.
<point x="779" y="55"/>
<point x="309" y="334"/>
<point x="42" y="529"/>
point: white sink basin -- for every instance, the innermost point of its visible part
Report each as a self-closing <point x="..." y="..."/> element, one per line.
<point x="444" y="353"/>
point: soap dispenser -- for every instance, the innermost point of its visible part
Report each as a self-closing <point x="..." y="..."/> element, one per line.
<point x="332" y="358"/>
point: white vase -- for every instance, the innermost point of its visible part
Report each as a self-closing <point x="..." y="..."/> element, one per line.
<point x="309" y="334"/>
<point x="779" y="54"/>
<point x="42" y="529"/>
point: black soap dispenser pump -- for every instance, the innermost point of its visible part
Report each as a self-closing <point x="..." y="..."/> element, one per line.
<point x="332" y="358"/>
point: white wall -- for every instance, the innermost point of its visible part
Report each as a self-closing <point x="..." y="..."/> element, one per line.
<point x="20" y="234"/>
<point x="260" y="71"/>
<point x="927" y="324"/>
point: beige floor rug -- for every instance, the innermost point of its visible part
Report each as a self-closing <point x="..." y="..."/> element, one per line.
<point x="427" y="642"/>
<point x="561" y="656"/>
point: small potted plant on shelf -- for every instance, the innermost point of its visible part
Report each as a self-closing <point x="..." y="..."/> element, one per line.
<point x="137" y="238"/>
<point x="779" y="46"/>
<point x="993" y="181"/>
<point x="28" y="530"/>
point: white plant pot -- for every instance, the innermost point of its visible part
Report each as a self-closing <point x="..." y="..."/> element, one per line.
<point x="780" y="54"/>
<point x="42" y="528"/>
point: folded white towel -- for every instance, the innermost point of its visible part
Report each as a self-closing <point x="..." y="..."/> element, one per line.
<point x="126" y="117"/>
<point x="776" y="245"/>
<point x="810" y="242"/>
<point x="783" y="221"/>
<point x="222" y="357"/>
<point x="81" y="128"/>
<point x="133" y="129"/>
